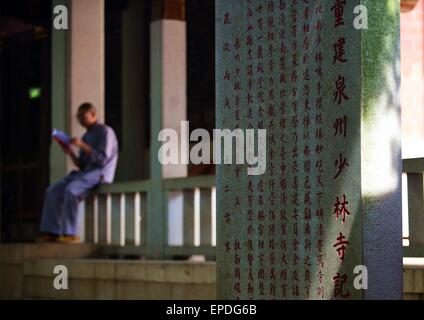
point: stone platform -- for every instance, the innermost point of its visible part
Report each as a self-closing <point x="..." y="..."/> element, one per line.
<point x="413" y="278"/>
<point x="26" y="272"/>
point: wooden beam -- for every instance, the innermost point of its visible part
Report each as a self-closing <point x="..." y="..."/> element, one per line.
<point x="408" y="5"/>
<point x="169" y="10"/>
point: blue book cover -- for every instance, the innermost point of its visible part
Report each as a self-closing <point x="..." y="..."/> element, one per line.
<point x="61" y="136"/>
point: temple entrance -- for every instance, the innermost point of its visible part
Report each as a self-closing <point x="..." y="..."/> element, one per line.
<point x="24" y="115"/>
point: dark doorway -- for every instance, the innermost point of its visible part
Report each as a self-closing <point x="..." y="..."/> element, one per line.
<point x="24" y="115"/>
<point x="127" y="83"/>
<point x="201" y="64"/>
<point x="201" y="71"/>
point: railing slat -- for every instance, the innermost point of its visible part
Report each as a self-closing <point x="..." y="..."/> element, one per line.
<point x="137" y="218"/>
<point x="205" y="216"/>
<point x="188" y="217"/>
<point x="89" y="219"/>
<point x="129" y="219"/>
<point x="96" y="219"/>
<point x="116" y="219"/>
<point x="416" y="209"/>
<point x="102" y="214"/>
<point x="122" y="238"/>
<point x="143" y="219"/>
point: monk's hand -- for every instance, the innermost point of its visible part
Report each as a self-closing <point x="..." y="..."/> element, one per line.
<point x="77" y="142"/>
<point x="82" y="145"/>
<point x="65" y="147"/>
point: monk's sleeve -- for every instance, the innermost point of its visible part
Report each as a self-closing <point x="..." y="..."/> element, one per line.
<point x="103" y="149"/>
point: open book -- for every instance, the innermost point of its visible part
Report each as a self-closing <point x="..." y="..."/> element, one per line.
<point x="61" y="137"/>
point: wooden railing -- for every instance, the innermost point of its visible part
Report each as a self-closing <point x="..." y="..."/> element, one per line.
<point x="414" y="196"/>
<point x="132" y="218"/>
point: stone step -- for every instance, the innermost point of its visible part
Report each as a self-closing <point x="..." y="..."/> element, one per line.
<point x="17" y="253"/>
<point x="13" y="256"/>
<point x="152" y="271"/>
<point x="26" y="271"/>
<point x="113" y="279"/>
<point x="413" y="278"/>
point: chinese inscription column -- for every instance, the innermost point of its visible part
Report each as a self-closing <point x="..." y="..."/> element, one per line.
<point x="295" y="68"/>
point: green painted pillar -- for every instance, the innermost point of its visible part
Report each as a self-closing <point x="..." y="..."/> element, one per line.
<point x="168" y="109"/>
<point x="60" y="95"/>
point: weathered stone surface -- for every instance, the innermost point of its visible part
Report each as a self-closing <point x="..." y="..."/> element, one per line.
<point x="11" y="281"/>
<point x="16" y="253"/>
<point x="111" y="279"/>
<point x="328" y="95"/>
